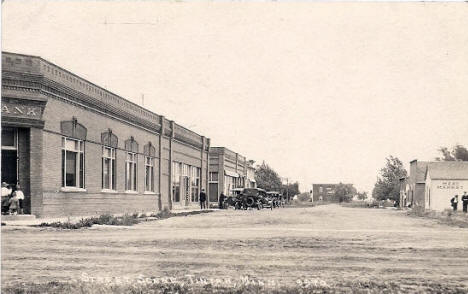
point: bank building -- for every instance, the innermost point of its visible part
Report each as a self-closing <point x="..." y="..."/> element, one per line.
<point x="78" y="149"/>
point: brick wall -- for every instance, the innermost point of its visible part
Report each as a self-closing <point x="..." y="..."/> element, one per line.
<point x="24" y="166"/>
<point x="57" y="202"/>
<point x="67" y="204"/>
<point x="97" y="110"/>
<point x="36" y="178"/>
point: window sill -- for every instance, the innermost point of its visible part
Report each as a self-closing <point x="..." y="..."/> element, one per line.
<point x="109" y="191"/>
<point x="131" y="192"/>
<point x="149" y="193"/>
<point x="72" y="189"/>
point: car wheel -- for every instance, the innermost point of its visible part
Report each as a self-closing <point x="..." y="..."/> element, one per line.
<point x="250" y="201"/>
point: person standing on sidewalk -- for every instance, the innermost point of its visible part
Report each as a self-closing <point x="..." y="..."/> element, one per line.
<point x="14" y="204"/>
<point x="221" y="201"/>
<point x="454" y="202"/>
<point x="6" y="193"/>
<point x="19" y="193"/>
<point x="202" y="199"/>
<point x="464" y="200"/>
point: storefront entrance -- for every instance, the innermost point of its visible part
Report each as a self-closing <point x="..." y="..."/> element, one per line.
<point x="10" y="156"/>
<point x="16" y="161"/>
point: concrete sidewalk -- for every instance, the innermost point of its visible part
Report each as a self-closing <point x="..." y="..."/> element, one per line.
<point x="30" y="220"/>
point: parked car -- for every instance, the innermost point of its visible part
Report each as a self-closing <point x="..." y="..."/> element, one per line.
<point x="251" y="198"/>
<point x="276" y="197"/>
<point x="265" y="199"/>
<point x="231" y="199"/>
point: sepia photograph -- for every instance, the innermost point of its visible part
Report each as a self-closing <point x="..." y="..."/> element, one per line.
<point x="215" y="146"/>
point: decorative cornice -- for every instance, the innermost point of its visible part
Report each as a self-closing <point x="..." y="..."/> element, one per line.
<point x="32" y="74"/>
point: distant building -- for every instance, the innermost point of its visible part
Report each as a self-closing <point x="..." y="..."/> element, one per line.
<point x="431" y="185"/>
<point x="250" y="182"/>
<point x="227" y="170"/>
<point x="415" y="182"/>
<point x="324" y="192"/>
<point x="443" y="180"/>
<point x="403" y="192"/>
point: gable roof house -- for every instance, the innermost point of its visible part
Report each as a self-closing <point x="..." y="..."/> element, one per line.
<point x="443" y="180"/>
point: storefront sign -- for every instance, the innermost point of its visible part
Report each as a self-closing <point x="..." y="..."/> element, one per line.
<point x="450" y="185"/>
<point x="18" y="110"/>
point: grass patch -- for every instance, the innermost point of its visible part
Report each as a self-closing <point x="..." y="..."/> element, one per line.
<point x="447" y="217"/>
<point x="298" y="203"/>
<point x="369" y="287"/>
<point x="111" y="220"/>
<point x="361" y="204"/>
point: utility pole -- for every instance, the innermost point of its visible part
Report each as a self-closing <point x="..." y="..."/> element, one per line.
<point x="287" y="189"/>
<point x="142" y="100"/>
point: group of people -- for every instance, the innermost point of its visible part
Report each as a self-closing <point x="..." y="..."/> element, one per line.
<point x="202" y="199"/>
<point x="464" y="200"/>
<point x="12" y="199"/>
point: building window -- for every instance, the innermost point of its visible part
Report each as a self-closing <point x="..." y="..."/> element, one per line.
<point x="131" y="172"/>
<point x="9" y="138"/>
<point x="108" y="168"/>
<point x="149" y="174"/>
<point x="320" y="189"/>
<point x="214" y="177"/>
<point x="195" y="183"/>
<point x="176" y="173"/>
<point x="229" y="184"/>
<point x="72" y="163"/>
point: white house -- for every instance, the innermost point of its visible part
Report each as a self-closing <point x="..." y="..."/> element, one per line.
<point x="444" y="180"/>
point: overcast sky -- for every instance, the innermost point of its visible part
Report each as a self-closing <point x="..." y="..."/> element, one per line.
<point x="322" y="92"/>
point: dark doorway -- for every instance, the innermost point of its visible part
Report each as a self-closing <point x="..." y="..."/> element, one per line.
<point x="16" y="160"/>
<point x="10" y="156"/>
<point x="9" y="167"/>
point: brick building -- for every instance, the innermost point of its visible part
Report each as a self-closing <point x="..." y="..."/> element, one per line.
<point x="324" y="192"/>
<point x="228" y="170"/>
<point x="78" y="149"/>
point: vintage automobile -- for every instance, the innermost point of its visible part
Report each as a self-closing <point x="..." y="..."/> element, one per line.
<point x="276" y="198"/>
<point x="253" y="198"/>
<point x="266" y="199"/>
<point x="230" y="201"/>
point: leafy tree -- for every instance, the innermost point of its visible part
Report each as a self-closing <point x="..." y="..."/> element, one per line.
<point x="388" y="182"/>
<point x="362" y="195"/>
<point x="458" y="153"/>
<point x="267" y="178"/>
<point x="304" y="197"/>
<point x="344" y="192"/>
<point x="291" y="189"/>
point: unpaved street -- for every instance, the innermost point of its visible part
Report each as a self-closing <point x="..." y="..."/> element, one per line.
<point x="330" y="243"/>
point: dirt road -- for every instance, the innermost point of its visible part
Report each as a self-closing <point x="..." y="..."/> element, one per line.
<point x="330" y="243"/>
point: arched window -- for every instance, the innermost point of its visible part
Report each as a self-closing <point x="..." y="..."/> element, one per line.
<point x="149" y="151"/>
<point x="109" y="166"/>
<point x="131" y="146"/>
<point x="73" y="153"/>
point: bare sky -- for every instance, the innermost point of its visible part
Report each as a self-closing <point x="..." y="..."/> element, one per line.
<point x="322" y="92"/>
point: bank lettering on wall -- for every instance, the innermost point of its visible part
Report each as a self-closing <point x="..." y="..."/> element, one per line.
<point x="19" y="110"/>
